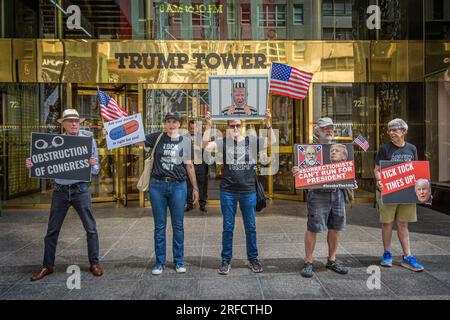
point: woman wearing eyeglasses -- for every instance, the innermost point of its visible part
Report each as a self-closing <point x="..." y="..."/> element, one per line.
<point x="238" y="185"/>
<point x="396" y="150"/>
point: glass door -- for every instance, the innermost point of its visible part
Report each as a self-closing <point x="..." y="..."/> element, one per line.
<point x="288" y="116"/>
<point x="118" y="174"/>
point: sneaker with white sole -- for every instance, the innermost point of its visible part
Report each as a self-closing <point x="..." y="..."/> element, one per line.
<point x="180" y="268"/>
<point x="255" y="266"/>
<point x="158" y="269"/>
<point x="387" y="259"/>
<point x="224" y="268"/>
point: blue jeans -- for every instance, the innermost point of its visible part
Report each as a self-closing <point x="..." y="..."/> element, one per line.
<point x="228" y="204"/>
<point x="63" y="197"/>
<point x="170" y="194"/>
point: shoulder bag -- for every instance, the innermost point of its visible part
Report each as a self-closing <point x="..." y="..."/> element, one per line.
<point x="144" y="180"/>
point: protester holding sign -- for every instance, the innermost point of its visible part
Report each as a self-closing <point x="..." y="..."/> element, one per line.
<point x="400" y="151"/>
<point x="65" y="194"/>
<point x="326" y="207"/>
<point x="238" y="185"/>
<point x="168" y="189"/>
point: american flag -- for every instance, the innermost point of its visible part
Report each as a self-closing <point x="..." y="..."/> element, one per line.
<point x="360" y="141"/>
<point x="289" y="81"/>
<point x="109" y="109"/>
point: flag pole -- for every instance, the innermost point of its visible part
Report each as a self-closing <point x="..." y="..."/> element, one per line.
<point x="269" y="108"/>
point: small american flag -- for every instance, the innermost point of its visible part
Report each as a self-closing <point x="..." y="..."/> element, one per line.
<point x="360" y="141"/>
<point x="109" y="109"/>
<point x="289" y="81"/>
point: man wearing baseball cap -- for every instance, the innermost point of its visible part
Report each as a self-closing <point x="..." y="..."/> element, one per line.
<point x="326" y="211"/>
<point x="65" y="194"/>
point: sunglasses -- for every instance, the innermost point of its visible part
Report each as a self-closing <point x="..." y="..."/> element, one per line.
<point x="235" y="126"/>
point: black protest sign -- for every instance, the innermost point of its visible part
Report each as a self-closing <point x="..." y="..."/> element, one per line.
<point x="59" y="156"/>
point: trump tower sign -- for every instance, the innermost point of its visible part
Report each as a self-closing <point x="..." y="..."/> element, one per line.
<point x="324" y="166"/>
<point x="405" y="182"/>
<point x="58" y="156"/>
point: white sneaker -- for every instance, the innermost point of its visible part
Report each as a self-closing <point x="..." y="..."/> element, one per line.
<point x="158" y="269"/>
<point x="180" y="269"/>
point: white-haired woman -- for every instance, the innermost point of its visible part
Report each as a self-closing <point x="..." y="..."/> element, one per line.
<point x="402" y="214"/>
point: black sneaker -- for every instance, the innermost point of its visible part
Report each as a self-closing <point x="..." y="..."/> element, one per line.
<point x="255" y="266"/>
<point x="224" y="267"/>
<point x="188" y="208"/>
<point x="203" y="208"/>
<point x="307" y="270"/>
<point x="337" y="267"/>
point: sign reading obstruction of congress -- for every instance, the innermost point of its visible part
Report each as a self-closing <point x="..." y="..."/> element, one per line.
<point x="405" y="182"/>
<point x="243" y="96"/>
<point x="59" y="156"/>
<point x="124" y="131"/>
<point x="324" y="166"/>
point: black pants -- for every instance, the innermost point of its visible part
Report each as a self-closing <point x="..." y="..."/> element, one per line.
<point x="63" y="197"/>
<point x="201" y="173"/>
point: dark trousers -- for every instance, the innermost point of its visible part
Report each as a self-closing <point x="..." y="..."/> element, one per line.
<point x="63" y="197"/>
<point x="201" y="173"/>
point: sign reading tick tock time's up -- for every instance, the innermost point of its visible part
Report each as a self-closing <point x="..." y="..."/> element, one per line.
<point x="133" y="60"/>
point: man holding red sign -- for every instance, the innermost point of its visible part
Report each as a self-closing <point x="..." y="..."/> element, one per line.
<point x="400" y="151"/>
<point x="326" y="207"/>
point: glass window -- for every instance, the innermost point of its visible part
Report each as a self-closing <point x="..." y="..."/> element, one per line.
<point x="245" y="13"/>
<point x="231" y="18"/>
<point x="298" y="14"/>
<point x="327" y="7"/>
<point x="272" y="16"/>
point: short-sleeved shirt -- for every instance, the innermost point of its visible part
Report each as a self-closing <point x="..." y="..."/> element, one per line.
<point x="240" y="160"/>
<point x="391" y="152"/>
<point x="171" y="155"/>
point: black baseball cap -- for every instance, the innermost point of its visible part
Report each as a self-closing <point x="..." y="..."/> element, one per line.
<point x="172" y="115"/>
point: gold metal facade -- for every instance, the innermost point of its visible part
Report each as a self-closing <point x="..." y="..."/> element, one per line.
<point x="95" y="61"/>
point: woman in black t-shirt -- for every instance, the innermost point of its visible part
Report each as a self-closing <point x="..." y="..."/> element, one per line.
<point x="168" y="189"/>
<point x="238" y="185"/>
<point x="402" y="214"/>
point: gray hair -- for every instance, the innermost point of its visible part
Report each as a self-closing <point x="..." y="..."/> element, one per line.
<point x="422" y="181"/>
<point x="400" y="123"/>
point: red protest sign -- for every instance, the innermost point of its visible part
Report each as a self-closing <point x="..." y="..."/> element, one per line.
<point x="403" y="175"/>
<point x="325" y="166"/>
<point x="406" y="182"/>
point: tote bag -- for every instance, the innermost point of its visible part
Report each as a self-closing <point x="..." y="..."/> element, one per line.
<point x="144" y="180"/>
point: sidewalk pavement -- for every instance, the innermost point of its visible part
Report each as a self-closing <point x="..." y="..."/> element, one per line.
<point x="126" y="248"/>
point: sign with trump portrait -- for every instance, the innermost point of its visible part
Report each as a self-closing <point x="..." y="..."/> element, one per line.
<point x="238" y="97"/>
<point x="324" y="166"/>
<point x="405" y="182"/>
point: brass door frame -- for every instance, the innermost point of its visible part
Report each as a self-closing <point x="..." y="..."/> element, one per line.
<point x="119" y="180"/>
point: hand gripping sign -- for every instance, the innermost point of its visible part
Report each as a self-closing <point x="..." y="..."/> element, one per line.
<point x="124" y="131"/>
<point x="58" y="156"/>
<point x="405" y="182"/>
<point x="324" y="166"/>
